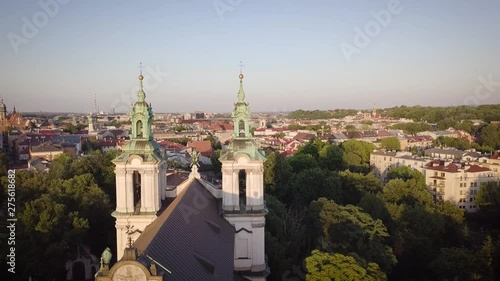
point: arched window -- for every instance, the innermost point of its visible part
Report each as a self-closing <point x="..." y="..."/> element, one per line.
<point x="78" y="271"/>
<point x="242" y="180"/>
<point x="138" y="128"/>
<point x="241" y="128"/>
<point x="137" y="189"/>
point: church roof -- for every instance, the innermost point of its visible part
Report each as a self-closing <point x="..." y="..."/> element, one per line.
<point x="191" y="238"/>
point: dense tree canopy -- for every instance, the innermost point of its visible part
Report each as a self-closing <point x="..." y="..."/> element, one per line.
<point x="391" y="143"/>
<point x="337" y="267"/>
<point x="347" y="229"/>
<point x="60" y="210"/>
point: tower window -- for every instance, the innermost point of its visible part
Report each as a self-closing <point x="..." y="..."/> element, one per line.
<point x="241" y="128"/>
<point x="139" y="128"/>
<point x="137" y="188"/>
<point x="242" y="179"/>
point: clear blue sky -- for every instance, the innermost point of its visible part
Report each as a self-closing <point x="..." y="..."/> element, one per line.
<point x="430" y="53"/>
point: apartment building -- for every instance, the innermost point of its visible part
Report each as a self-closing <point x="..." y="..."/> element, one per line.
<point x="458" y="183"/>
<point x="381" y="161"/>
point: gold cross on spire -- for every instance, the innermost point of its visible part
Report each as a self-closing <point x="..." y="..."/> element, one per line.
<point x="241" y="71"/>
<point x="241" y="65"/>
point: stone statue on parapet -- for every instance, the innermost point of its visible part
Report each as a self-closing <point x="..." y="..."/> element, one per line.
<point x="105" y="260"/>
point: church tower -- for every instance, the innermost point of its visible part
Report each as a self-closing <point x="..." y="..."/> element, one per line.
<point x="243" y="192"/>
<point x="91" y="127"/>
<point x="140" y="174"/>
<point x="3" y="112"/>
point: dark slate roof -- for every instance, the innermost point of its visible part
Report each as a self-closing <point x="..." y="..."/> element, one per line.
<point x="191" y="238"/>
<point x="74" y="139"/>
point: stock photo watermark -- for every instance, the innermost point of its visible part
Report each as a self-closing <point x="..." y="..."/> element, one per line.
<point x="223" y="6"/>
<point x="153" y="78"/>
<point x="11" y="220"/>
<point x="31" y="26"/>
<point x="364" y="36"/>
<point x="483" y="91"/>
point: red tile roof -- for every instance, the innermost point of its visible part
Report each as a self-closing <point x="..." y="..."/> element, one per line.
<point x="450" y="168"/>
<point x="203" y="147"/>
<point x="477" y="169"/>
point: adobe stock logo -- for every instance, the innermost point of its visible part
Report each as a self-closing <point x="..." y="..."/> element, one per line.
<point x="223" y="6"/>
<point x="40" y="19"/>
<point x="363" y="37"/>
<point x="483" y="91"/>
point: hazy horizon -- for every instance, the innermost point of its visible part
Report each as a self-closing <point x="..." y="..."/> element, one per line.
<point x="296" y="54"/>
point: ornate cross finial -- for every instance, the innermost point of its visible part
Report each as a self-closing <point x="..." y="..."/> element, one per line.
<point x="195" y="155"/>
<point x="241" y="71"/>
<point x="129" y="232"/>
<point x="140" y="67"/>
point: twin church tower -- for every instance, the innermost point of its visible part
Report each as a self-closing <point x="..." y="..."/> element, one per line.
<point x="142" y="195"/>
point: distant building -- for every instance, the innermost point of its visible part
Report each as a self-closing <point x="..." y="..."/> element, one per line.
<point x="187" y="116"/>
<point x="15" y="120"/>
<point x="444" y="153"/>
<point x="199" y="115"/>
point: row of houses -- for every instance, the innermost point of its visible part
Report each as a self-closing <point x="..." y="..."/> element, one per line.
<point x="450" y="174"/>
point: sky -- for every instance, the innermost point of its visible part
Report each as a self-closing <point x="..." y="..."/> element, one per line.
<point x="60" y="55"/>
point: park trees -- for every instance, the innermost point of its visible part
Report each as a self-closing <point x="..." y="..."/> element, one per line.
<point x="347" y="229"/>
<point x="391" y="143"/>
<point x="325" y="266"/>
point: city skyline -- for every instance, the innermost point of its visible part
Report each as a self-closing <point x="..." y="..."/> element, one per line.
<point x="297" y="55"/>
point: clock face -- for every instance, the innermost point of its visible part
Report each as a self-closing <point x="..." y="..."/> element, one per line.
<point x="129" y="273"/>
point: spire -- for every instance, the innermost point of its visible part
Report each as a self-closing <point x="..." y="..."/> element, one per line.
<point x="241" y="113"/>
<point x="14" y="112"/>
<point x="140" y="94"/>
<point x="241" y="93"/>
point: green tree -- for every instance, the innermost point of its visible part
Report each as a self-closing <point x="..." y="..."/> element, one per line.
<point x="331" y="157"/>
<point x="56" y="216"/>
<point x="354" y="185"/>
<point x="357" y="155"/>
<point x="214" y="142"/>
<point x="405" y="173"/>
<point x="324" y="266"/>
<point x="69" y="128"/>
<point x="456" y="263"/>
<point x="216" y="164"/>
<point x="391" y="143"/>
<point x="347" y="229"/>
<point x="4" y="161"/>
<point x="300" y="162"/>
<point x="309" y="185"/>
<point x="488" y="201"/>
<point x="60" y="168"/>
<point x="408" y="192"/>
<point x="90" y="145"/>
<point x="489" y="136"/>
<point x="286" y="238"/>
<point x="350" y="128"/>
<point x="309" y="148"/>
